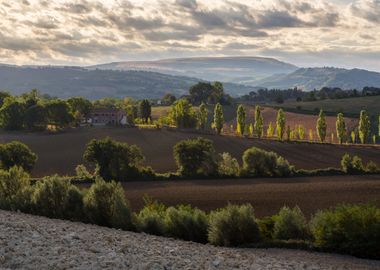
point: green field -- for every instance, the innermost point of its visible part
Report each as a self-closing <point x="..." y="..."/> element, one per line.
<point x="349" y="106"/>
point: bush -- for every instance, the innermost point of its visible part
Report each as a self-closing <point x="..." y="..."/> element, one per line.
<point x="151" y="219"/>
<point x="352" y="165"/>
<point x="117" y="161"/>
<point x="233" y="225"/>
<point x="195" y="157"/>
<point x="266" y="227"/>
<point x="17" y="154"/>
<point x="55" y="197"/>
<point x="258" y="162"/>
<point x="187" y="223"/>
<point x="372" y="167"/>
<point x="352" y="229"/>
<point x="228" y="166"/>
<point x="105" y="205"/>
<point x="15" y="190"/>
<point x="290" y="224"/>
<point x="82" y="173"/>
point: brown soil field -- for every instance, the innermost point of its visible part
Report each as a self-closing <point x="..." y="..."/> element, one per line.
<point x="60" y="153"/>
<point x="266" y="195"/>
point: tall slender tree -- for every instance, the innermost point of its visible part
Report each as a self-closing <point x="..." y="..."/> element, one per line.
<point x="341" y="130"/>
<point x="321" y="126"/>
<point x="240" y="120"/>
<point x="259" y="122"/>
<point x="364" y="126"/>
<point x="218" y="118"/>
<point x="270" y="130"/>
<point x="202" y="116"/>
<point x="145" y="110"/>
<point x="280" y="124"/>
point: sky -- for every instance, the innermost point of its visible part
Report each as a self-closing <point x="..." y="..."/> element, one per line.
<point x="341" y="33"/>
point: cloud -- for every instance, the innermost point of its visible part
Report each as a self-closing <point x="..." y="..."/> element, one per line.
<point x="367" y="9"/>
<point x="91" y="31"/>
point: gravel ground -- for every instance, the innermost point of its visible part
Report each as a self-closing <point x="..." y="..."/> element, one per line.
<point x="31" y="242"/>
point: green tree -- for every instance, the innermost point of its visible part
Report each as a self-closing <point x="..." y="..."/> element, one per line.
<point x="17" y="154"/>
<point x="182" y="114"/>
<point x="280" y="124"/>
<point x="80" y="106"/>
<point x="168" y="99"/>
<point x="270" y="130"/>
<point x="301" y="132"/>
<point x="145" y="110"/>
<point x="58" y="113"/>
<point x="341" y="130"/>
<point x="116" y="160"/>
<point x="259" y="122"/>
<point x="36" y="117"/>
<point x="12" y="114"/>
<point x="202" y="116"/>
<point x="364" y="126"/>
<point x="321" y="126"/>
<point x="3" y="96"/>
<point x="251" y="130"/>
<point x="240" y="120"/>
<point x="195" y="157"/>
<point x="218" y="118"/>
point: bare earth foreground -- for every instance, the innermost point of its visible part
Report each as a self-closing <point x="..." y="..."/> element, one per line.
<point x="31" y="242"/>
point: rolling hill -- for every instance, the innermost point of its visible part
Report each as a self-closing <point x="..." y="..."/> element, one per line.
<point x="242" y="70"/>
<point x="94" y="84"/>
<point x="316" y="78"/>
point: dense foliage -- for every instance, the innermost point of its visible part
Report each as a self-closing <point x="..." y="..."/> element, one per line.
<point x="195" y="157"/>
<point x="17" y="154"/>
<point x="116" y="160"/>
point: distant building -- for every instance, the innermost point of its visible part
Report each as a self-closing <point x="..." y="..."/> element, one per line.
<point x="108" y="117"/>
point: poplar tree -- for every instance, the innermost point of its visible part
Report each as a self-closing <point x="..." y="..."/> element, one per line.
<point x="240" y="119"/>
<point x="270" y="130"/>
<point x="341" y="129"/>
<point x="202" y="116"/>
<point x="259" y="122"/>
<point x="364" y="126"/>
<point x="218" y="118"/>
<point x="280" y="124"/>
<point x="321" y="126"/>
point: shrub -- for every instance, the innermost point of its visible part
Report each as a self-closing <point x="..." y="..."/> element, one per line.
<point x="352" y="229"/>
<point x="15" y="190"/>
<point x="82" y="173"/>
<point x="117" y="161"/>
<point x="266" y="227"/>
<point x="55" y="197"/>
<point x="187" y="223"/>
<point x="151" y="219"/>
<point x="258" y="162"/>
<point x="233" y="225"/>
<point x="290" y="224"/>
<point x="352" y="165"/>
<point x="105" y="205"/>
<point x="372" y="167"/>
<point x="228" y="166"/>
<point x="17" y="154"/>
<point x="195" y="157"/>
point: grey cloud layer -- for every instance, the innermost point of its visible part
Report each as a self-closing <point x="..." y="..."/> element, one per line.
<point x="87" y="31"/>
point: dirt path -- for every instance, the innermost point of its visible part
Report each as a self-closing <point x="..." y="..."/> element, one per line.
<point x="31" y="242"/>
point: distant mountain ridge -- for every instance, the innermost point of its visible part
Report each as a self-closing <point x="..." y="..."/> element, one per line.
<point x="316" y="78"/>
<point x="94" y="84"/>
<point x="236" y="69"/>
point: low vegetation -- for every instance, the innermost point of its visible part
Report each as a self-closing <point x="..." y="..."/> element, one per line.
<point x="350" y="229"/>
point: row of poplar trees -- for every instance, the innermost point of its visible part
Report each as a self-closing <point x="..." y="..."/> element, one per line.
<point x="363" y="131"/>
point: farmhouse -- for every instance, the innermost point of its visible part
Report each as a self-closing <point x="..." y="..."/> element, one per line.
<point x="108" y="117"/>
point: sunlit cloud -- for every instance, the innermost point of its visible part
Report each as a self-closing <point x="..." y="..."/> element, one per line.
<point x="84" y="32"/>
